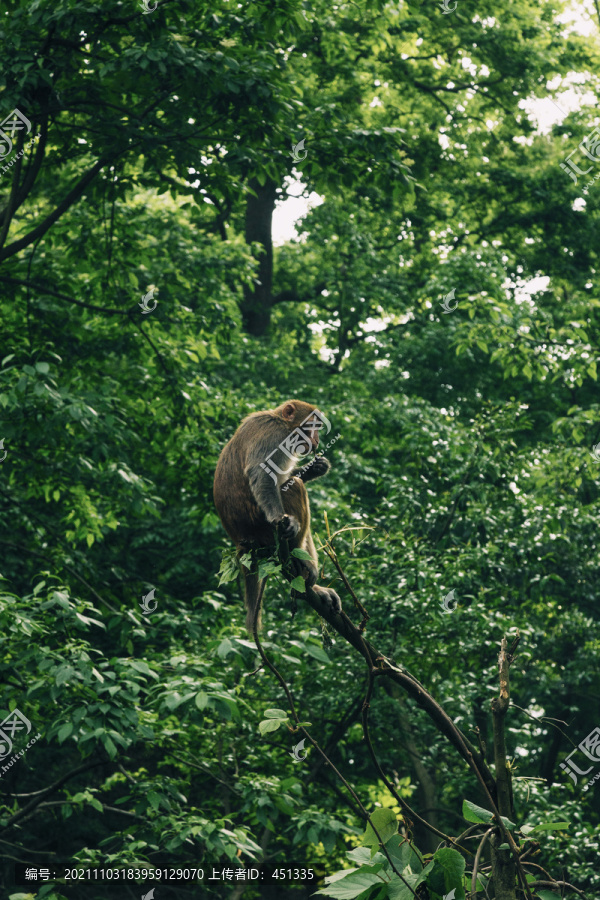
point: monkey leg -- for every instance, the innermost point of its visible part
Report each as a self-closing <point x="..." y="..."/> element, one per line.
<point x="329" y="596"/>
<point x="306" y="568"/>
<point x="296" y="504"/>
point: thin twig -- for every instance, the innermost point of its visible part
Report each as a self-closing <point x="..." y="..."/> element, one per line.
<point x="65" y="566"/>
<point x="476" y="863"/>
<point x="552" y="884"/>
<point x="400" y="800"/>
<point x="22" y="814"/>
<point x="285" y="555"/>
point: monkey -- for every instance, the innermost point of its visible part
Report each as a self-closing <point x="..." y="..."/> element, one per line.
<point x="253" y="466"/>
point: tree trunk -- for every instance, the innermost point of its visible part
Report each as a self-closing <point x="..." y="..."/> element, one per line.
<point x="258" y="299"/>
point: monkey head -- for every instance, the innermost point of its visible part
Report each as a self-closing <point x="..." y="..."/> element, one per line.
<point x="304" y="417"/>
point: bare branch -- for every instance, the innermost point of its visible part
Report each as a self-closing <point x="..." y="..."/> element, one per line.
<point x="56" y="213"/>
<point x="30" y="808"/>
<point x="60" y="296"/>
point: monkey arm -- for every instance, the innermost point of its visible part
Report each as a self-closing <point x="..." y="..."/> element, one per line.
<point x="265" y="491"/>
<point x="318" y="467"/>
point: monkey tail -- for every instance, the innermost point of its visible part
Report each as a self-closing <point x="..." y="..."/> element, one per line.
<point x="253" y="594"/>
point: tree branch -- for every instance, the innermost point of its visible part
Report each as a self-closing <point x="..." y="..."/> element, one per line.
<point x="56" y="213"/>
<point x="31" y="806"/>
<point x="32" y="172"/>
<point x="68" y="568"/>
<point x="14" y="189"/>
<point x="59" y="296"/>
<point x="347" y="630"/>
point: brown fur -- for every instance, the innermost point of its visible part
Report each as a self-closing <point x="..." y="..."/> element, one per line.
<point x="250" y="504"/>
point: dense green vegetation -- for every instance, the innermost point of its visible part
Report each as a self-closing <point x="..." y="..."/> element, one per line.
<point x="465" y="461"/>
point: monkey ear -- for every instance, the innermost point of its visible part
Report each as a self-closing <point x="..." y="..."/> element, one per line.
<point x="288" y="412"/>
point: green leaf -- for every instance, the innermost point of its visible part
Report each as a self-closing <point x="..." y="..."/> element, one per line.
<point x="229" y="567"/>
<point x="224" y="648"/>
<point x="317" y="653"/>
<point x="87" y="621"/>
<point x="268" y="725"/>
<point x="64" y="731"/>
<point x="386" y="823"/>
<point x="140" y="666"/>
<point x="547" y="826"/>
<point x="275" y="714"/>
<point x="349" y="886"/>
<point x="154" y="799"/>
<point x="474" y="813"/>
<point x="403" y="853"/>
<point x="397" y="890"/>
<point x="268" y="567"/>
<point x="245" y="560"/>
<point x="300" y="554"/>
<point x="445" y="871"/>
<point x="201" y="700"/>
<point x="108" y="745"/>
<point x="64" y="674"/>
<point x="299" y="584"/>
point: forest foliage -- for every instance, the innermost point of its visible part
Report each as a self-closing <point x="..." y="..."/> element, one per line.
<point x="439" y="306"/>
